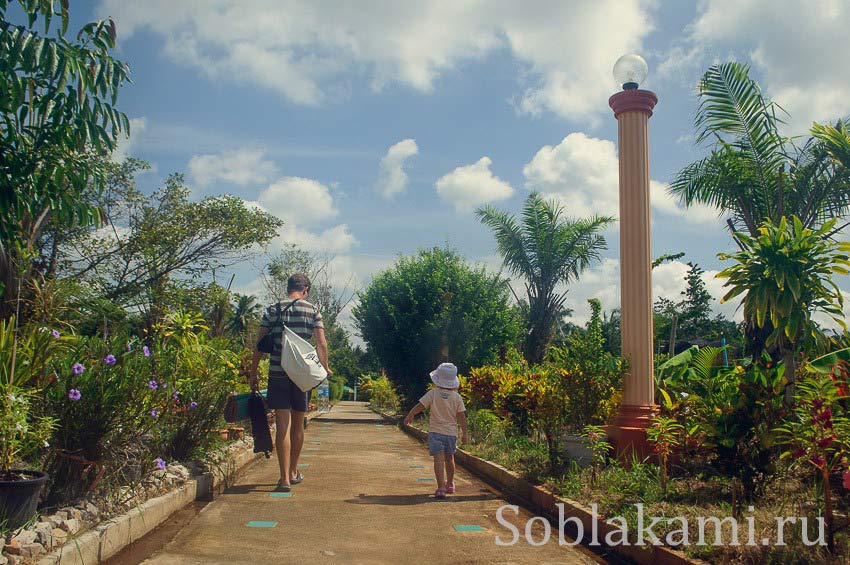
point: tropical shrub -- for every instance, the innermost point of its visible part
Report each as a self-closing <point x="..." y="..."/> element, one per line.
<point x="383" y="395"/>
<point x="25" y="356"/>
<point x="597" y="441"/>
<point x="485" y="426"/>
<point x="364" y="387"/>
<point x="546" y="401"/>
<point x="590" y="375"/>
<point x="785" y="273"/>
<point x="664" y="435"/>
<point x="198" y="373"/>
<point x="729" y="414"/>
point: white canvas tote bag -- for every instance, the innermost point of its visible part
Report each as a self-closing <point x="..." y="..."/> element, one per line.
<point x="300" y="361"/>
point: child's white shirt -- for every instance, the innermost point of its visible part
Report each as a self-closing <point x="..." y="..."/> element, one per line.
<point x="444" y="405"/>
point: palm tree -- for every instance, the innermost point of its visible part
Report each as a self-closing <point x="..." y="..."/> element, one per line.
<point x="745" y="176"/>
<point x="546" y="250"/>
<point x="245" y="310"/>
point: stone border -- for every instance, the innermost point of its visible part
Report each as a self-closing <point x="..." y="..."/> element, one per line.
<point x="543" y="502"/>
<point x="113" y="535"/>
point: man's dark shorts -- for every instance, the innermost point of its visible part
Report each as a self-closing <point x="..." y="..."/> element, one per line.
<point x="283" y="394"/>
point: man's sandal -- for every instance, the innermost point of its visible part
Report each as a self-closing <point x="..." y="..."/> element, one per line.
<point x="282" y="487"/>
<point x="298" y="478"/>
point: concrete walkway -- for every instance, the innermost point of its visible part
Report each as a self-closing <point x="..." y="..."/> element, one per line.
<point x="367" y="498"/>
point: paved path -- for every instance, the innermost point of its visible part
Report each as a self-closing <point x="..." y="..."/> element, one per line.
<point x="367" y="498"/>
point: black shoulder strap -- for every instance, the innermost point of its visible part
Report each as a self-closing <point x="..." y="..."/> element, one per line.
<point x="281" y="313"/>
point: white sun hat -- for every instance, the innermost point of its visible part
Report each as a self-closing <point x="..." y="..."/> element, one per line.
<point x="445" y="376"/>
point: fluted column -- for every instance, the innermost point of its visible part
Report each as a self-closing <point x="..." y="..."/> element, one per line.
<point x="632" y="109"/>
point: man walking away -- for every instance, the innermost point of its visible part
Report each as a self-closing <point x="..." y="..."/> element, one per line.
<point x="287" y="400"/>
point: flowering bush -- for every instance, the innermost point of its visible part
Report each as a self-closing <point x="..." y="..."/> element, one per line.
<point x="99" y="395"/>
<point x="817" y="435"/>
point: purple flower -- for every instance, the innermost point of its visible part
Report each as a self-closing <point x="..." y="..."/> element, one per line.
<point x="175" y="395"/>
<point x="55" y="333"/>
<point x="109" y="359"/>
<point x="146" y="351"/>
<point x="152" y="385"/>
<point x="160" y="462"/>
<point x="74" y="394"/>
<point x="129" y="346"/>
<point x="77" y="369"/>
<point x="155" y="413"/>
<point x="193" y="405"/>
<point x="163" y="384"/>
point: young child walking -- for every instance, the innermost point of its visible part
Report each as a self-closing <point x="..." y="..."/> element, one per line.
<point x="447" y="411"/>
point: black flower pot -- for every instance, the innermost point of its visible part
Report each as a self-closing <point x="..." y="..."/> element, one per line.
<point x="19" y="499"/>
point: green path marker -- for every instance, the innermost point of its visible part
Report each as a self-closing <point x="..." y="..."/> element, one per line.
<point x="261" y="524"/>
<point x="311" y="449"/>
<point x="309" y="455"/>
<point x="415" y="467"/>
<point x="315" y="442"/>
<point x="280" y="494"/>
<point x="303" y="464"/>
<point x="463" y="528"/>
<point x="426" y="479"/>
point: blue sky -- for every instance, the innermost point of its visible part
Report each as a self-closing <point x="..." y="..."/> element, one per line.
<point x="389" y="122"/>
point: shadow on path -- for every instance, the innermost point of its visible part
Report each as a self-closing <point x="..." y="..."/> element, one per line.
<point x="245" y="489"/>
<point x="413" y="499"/>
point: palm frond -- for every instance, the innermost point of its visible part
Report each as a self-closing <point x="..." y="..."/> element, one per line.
<point x="734" y="111"/>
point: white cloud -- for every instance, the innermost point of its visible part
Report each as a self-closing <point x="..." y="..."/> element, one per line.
<point x="470" y="186"/>
<point x="126" y="145"/>
<point x="392" y="179"/>
<point x="333" y="240"/>
<point x="241" y="167"/>
<point x="793" y="51"/>
<point x="307" y="49"/>
<point x="299" y="200"/>
<point x="582" y="173"/>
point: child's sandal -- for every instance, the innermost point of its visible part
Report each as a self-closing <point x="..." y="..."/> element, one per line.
<point x="440" y="493"/>
<point x="450" y="489"/>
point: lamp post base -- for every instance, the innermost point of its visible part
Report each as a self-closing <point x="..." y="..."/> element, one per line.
<point x="628" y="433"/>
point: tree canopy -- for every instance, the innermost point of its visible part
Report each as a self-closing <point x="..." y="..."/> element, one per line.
<point x="431" y="304"/>
<point x="57" y="102"/>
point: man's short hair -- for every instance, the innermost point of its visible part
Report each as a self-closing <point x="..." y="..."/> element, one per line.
<point x="297" y="283"/>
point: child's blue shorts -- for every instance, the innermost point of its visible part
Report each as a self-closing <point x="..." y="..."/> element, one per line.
<point x="441" y="443"/>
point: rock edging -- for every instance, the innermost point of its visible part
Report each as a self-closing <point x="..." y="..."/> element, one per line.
<point x="111" y="536"/>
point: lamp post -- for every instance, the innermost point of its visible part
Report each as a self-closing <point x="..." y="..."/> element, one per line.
<point x="632" y="108"/>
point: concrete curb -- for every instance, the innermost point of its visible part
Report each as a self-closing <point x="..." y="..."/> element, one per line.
<point x="544" y="502"/>
<point x="111" y="536"/>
